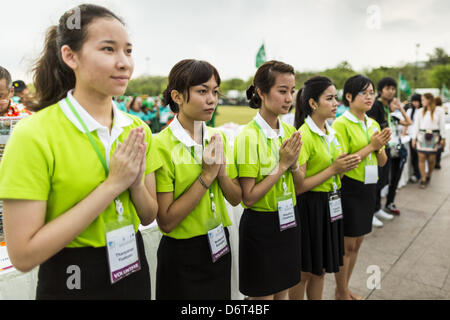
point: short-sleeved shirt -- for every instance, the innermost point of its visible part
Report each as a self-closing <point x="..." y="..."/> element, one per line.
<point x="353" y="138"/>
<point x="319" y="150"/>
<point x="50" y="158"/>
<point x="256" y="153"/>
<point x="181" y="166"/>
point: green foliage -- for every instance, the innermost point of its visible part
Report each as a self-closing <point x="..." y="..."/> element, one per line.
<point x="150" y="85"/>
<point x="440" y="75"/>
<point x="432" y="73"/>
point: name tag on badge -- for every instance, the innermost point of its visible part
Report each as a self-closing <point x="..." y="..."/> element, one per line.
<point x="334" y="201"/>
<point x="286" y="214"/>
<point x="123" y="255"/>
<point x="218" y="243"/>
<point x="371" y="174"/>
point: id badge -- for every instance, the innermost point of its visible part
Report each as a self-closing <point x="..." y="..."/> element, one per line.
<point x="371" y="174"/>
<point x="218" y="243"/>
<point x="334" y="201"/>
<point x="286" y="212"/>
<point x="123" y="256"/>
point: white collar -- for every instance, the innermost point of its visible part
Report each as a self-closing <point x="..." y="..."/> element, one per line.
<point x="314" y="128"/>
<point x="268" y="131"/>
<point x="120" y="119"/>
<point x="353" y="119"/>
<point x="183" y="136"/>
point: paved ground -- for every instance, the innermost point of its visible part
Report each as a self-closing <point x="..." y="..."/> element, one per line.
<point x="413" y="250"/>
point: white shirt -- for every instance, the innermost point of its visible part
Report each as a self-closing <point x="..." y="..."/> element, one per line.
<point x="107" y="139"/>
<point x="314" y="128"/>
<point x="424" y="122"/>
<point x="268" y="131"/>
<point x="183" y="136"/>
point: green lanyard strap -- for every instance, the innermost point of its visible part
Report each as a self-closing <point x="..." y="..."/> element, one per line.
<point x="272" y="151"/>
<point x="330" y="156"/>
<point x="388" y="112"/>
<point x="91" y="138"/>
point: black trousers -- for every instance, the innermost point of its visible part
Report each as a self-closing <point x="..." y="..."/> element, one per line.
<point x="414" y="161"/>
<point x="389" y="175"/>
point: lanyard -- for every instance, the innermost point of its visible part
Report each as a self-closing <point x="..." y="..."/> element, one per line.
<point x="388" y="112"/>
<point x="211" y="194"/>
<point x="331" y="161"/>
<point x="272" y="151"/>
<point x="366" y="133"/>
<point x="118" y="203"/>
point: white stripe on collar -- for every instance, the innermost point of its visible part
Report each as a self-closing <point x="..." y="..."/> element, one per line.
<point x="314" y="128"/>
<point x="353" y="119"/>
<point x="183" y="136"/>
<point x="268" y="131"/>
<point x="120" y="119"/>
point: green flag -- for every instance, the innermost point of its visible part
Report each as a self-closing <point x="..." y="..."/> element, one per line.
<point x="444" y="92"/>
<point x="404" y="85"/>
<point x="261" y="56"/>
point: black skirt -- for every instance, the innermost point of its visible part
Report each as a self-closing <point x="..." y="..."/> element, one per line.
<point x="322" y="240"/>
<point x="56" y="277"/>
<point x="269" y="259"/>
<point x="358" y="204"/>
<point x="185" y="270"/>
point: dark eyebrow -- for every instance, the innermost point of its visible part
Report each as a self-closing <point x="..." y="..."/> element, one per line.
<point x="205" y="86"/>
<point x="284" y="86"/>
<point x="115" y="42"/>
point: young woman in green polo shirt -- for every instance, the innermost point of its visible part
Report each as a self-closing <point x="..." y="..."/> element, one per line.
<point x="266" y="154"/>
<point x="78" y="174"/>
<point x="322" y="161"/>
<point x="360" y="135"/>
<point x="197" y="175"/>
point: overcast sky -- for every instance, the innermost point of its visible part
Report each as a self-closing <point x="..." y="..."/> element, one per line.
<point x="310" y="35"/>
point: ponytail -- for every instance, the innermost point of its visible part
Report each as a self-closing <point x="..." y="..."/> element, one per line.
<point x="52" y="77"/>
<point x="302" y="111"/>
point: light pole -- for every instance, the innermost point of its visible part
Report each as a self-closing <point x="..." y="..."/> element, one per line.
<point x="417" y="67"/>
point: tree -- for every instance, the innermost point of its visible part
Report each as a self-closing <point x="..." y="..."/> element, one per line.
<point x="150" y="85"/>
<point x="440" y="75"/>
<point x="233" y="84"/>
<point x="438" y="57"/>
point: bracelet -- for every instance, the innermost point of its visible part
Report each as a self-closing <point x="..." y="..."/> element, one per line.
<point x="202" y="182"/>
<point x="296" y="168"/>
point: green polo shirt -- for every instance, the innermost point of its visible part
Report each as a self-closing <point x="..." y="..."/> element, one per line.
<point x="179" y="171"/>
<point x="48" y="159"/>
<point x="318" y="152"/>
<point x="354" y="138"/>
<point x="256" y="156"/>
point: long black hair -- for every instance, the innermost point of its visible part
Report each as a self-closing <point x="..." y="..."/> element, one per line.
<point x="312" y="89"/>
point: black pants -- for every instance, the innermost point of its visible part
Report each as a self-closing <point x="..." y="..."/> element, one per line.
<point x="389" y="174"/>
<point x="438" y="157"/>
<point x="57" y="276"/>
<point x="414" y="161"/>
